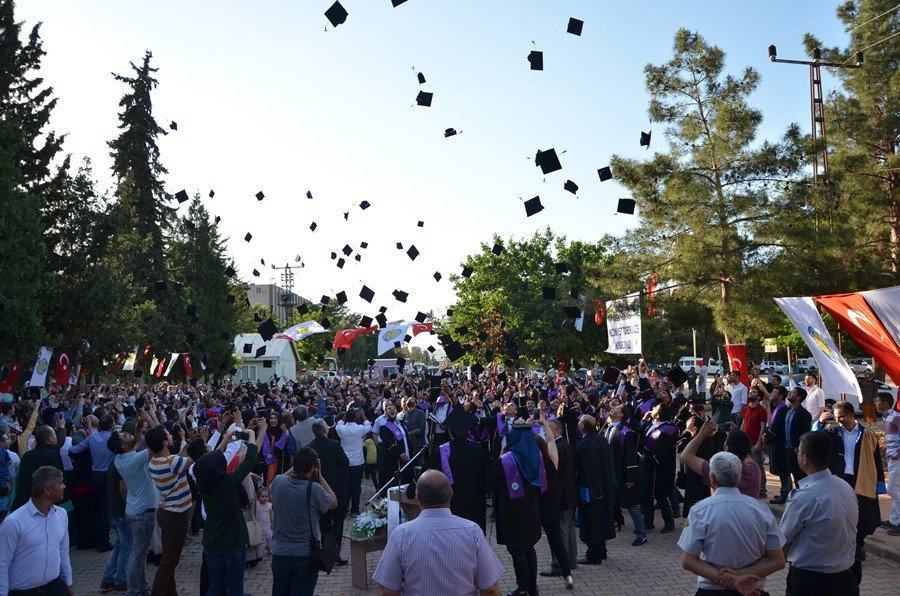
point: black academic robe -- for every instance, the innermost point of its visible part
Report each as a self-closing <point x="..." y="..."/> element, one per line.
<point x="518" y="520"/>
<point x="469" y="489"/>
<point x="389" y="452"/>
<point x="869" y="512"/>
<point x="659" y="461"/>
<point x="775" y="441"/>
<point x="568" y="482"/>
<point x="593" y="461"/>
<point x="623" y="448"/>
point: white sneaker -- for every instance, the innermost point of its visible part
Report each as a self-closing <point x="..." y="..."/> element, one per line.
<point x="570" y="584"/>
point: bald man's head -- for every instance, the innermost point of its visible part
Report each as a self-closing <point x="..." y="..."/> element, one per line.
<point x="433" y="490"/>
<point x="587" y="424"/>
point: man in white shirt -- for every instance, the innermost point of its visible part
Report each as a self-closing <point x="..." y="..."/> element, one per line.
<point x="738" y="393"/>
<point x="34" y="541"/>
<point x="815" y="397"/>
<point x="352" y="435"/>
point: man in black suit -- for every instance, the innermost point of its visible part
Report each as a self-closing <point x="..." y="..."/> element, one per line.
<point x="45" y="453"/>
<point x="776" y="440"/>
<point x="336" y="470"/>
<point x="797" y="421"/>
<point x="626" y="472"/>
<point x="568" y="499"/>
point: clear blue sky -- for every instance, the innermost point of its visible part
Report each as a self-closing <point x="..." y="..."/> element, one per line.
<point x="267" y="99"/>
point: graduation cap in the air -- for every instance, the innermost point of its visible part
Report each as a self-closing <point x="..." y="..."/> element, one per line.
<point x="458" y="421"/>
<point x="449" y="312"/>
<point x="572" y="312"/>
<point x="340" y="263"/>
<point x="364" y="245"/>
<point x="341" y="297"/>
<point x="420" y="317"/>
<point x="536" y="60"/>
<point x="313" y="226"/>
<point x="248" y="348"/>
<point x="573" y="292"/>
<point x="497" y="249"/>
<point x="365" y="205"/>
<point x="325" y="300"/>
<point x="399" y="246"/>
<point x="366" y="294"/>
<point x="549" y="293"/>
<point x="346" y="215"/>
<point x="610" y="375"/>
<point x="262" y="262"/>
<point x="605" y="174"/>
<point x="181" y="196"/>
<point x="533" y="206"/>
<point x="248" y="237"/>
<point x="333" y="255"/>
<point x="255" y="273"/>
<point x="173" y="125"/>
<point x="358" y="258"/>
<point x="217" y="219"/>
<point x="547" y="161"/>
<point x="325" y="322"/>
<point x="347" y="250"/>
<point x="450" y="132"/>
<point x="267" y="364"/>
<point x="561" y="267"/>
<point x="424" y="98"/>
<point x="421" y="224"/>
<point x="401" y="362"/>
<point x="645" y="138"/>
<point x="190" y="225"/>
<point x="467" y="271"/>
<point x="437" y="276"/>
<point x="229" y="271"/>
<point x="571" y="187"/>
<point x="260" y="196"/>
<point x="575" y="26"/>
<point x="421" y="78"/>
<point x="677" y="377"/>
<point x="477" y="369"/>
<point x="400" y="295"/>
<point x="381" y="319"/>
<point x="626" y="206"/>
<point x="366" y="321"/>
<point x="413" y="252"/>
<point x="309" y="194"/>
<point x="382" y="309"/>
<point x="260" y="351"/>
<point x="267" y="329"/>
<point x="454" y="351"/>
<point x="302" y="309"/>
<point x="336" y="15"/>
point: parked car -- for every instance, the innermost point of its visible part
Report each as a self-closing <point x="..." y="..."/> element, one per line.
<point x="773" y="367"/>
<point x="712" y="367"/>
<point x="805" y="365"/>
<point x="860" y="365"/>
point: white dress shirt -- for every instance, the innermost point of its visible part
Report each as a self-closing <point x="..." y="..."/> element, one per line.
<point x="352" y="436"/>
<point x="815" y="401"/>
<point x="64" y="454"/>
<point x="34" y="548"/>
<point x="738" y="397"/>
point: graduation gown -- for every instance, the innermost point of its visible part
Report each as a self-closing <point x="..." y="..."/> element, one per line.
<point x="389" y="451"/>
<point x="593" y="461"/>
<point x="467" y="467"/>
<point x="776" y="441"/>
<point x="658" y="451"/>
<point x="623" y="448"/>
<point x="518" y="520"/>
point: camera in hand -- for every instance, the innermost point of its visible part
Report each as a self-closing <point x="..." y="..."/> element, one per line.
<point x="241" y="435"/>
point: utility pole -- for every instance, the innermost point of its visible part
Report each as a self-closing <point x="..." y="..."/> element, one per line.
<point x="817" y="103"/>
<point x="286" y="300"/>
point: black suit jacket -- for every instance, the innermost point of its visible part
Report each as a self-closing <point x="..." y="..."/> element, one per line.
<point x="42" y="455"/>
<point x="335" y="465"/>
<point x="801" y="423"/>
<point x="568" y="499"/>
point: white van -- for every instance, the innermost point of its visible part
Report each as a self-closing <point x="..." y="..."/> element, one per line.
<point x="712" y="368"/>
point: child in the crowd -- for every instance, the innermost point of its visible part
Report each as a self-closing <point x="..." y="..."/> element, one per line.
<point x="265" y="516"/>
<point x="371" y="460"/>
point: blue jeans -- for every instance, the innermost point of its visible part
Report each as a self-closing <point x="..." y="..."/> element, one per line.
<point x="637" y="519"/>
<point x="226" y="570"/>
<point x="118" y="558"/>
<point x="292" y="576"/>
<point x="141" y="528"/>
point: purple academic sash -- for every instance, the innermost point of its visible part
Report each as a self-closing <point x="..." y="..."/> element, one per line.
<point x="398" y="434"/>
<point x="479" y="434"/>
<point x="268" y="453"/>
<point x="647" y="405"/>
<point x="445" y="462"/>
<point x="514" y="483"/>
<point x="664" y="429"/>
<point x="775" y="413"/>
<point x="502" y="429"/>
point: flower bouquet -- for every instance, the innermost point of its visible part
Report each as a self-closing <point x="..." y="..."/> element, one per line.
<point x="370" y="523"/>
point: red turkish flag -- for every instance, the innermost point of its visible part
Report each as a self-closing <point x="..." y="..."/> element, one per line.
<point x="599" y="312"/>
<point x="187" y="366"/>
<point x="344" y="338"/>
<point x="417" y="328"/>
<point x="12" y="375"/>
<point x="161" y="368"/>
<point x="61" y="368"/>
<point x="855" y="317"/>
<point x="737" y="355"/>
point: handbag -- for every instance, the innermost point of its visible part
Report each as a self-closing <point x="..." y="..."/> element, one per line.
<point x="254" y="530"/>
<point x="323" y="550"/>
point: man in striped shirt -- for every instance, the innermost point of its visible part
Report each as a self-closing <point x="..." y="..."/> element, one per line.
<point x="169" y="474"/>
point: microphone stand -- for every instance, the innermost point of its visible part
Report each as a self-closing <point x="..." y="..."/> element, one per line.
<point x="397" y="474"/>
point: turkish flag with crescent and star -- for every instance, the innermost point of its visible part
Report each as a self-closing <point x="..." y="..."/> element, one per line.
<point x="737" y="356"/>
<point x="12" y="375"/>
<point x="61" y="368"/>
<point x="344" y="338"/>
<point x="855" y="317"/>
<point x="417" y="328"/>
<point x="187" y="366"/>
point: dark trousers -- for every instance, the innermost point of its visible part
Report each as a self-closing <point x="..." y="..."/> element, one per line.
<point x="356" y="476"/>
<point x="525" y="565"/>
<point x="794" y="467"/>
<point x="596" y="549"/>
<point x="554" y="538"/>
<point x="705" y="592"/>
<point x="101" y="508"/>
<point x="372" y="474"/>
<point x="332" y="522"/>
<point x="226" y="571"/>
<point x="801" y="582"/>
<point x="56" y="587"/>
<point x="292" y="576"/>
<point x="174" y="527"/>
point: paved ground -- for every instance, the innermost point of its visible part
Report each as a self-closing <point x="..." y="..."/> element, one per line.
<point x="648" y="569"/>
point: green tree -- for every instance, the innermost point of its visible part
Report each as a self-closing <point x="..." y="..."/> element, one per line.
<point x="703" y="201"/>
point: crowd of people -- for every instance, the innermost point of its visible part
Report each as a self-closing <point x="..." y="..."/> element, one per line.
<point x="274" y="470"/>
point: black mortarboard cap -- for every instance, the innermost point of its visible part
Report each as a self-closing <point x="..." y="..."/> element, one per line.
<point x="346" y="215"/>
<point x="437" y="276"/>
<point x="677" y="377"/>
<point x="229" y="271"/>
<point x="572" y="312"/>
<point x="181" y="196"/>
<point x="449" y="312"/>
<point x="347" y="250"/>
<point x="477" y="369"/>
<point x="467" y="271"/>
<point x="449" y="132"/>
<point x="366" y="294"/>
<point x="575" y="26"/>
<point x="333" y="255"/>
<point x="365" y="205"/>
<point x="309" y="194"/>
<point x="424" y="98"/>
<point x="382" y="319"/>
<point x="401" y="361"/>
<point x="255" y="273"/>
<point x="313" y="226"/>
<point x="320" y="359"/>
<point x="382" y="309"/>
<point x="536" y="59"/>
<point x="497" y="249"/>
<point x="190" y="225"/>
<point x="421" y="224"/>
<point x="248" y="348"/>
<point x="413" y="252"/>
<point x="248" y="237"/>
<point x="626" y="206"/>
<point x="358" y="257"/>
<point x="549" y="293"/>
<point x="605" y="174"/>
<point x="262" y="262"/>
<point x="421" y="78"/>
<point x="267" y="364"/>
<point x="571" y="187"/>
<point x="217" y="219"/>
<point x="325" y="322"/>
<point x="340" y="263"/>
<point x="420" y="317"/>
<point x="547" y="161"/>
<point x="366" y="321"/>
<point x="229" y="298"/>
<point x="399" y="246"/>
<point x="454" y="351"/>
<point x="341" y="297"/>
<point x="533" y="206"/>
<point x="610" y="375"/>
<point x="561" y="267"/>
<point x="364" y="245"/>
<point x="458" y="421"/>
<point x="303" y="309"/>
<point x="260" y="196"/>
<point x="212" y="193"/>
<point x="430" y="349"/>
<point x="267" y="329"/>
<point x="260" y="351"/>
<point x="325" y="299"/>
<point x="336" y="15"/>
<point x="573" y="292"/>
<point x="173" y="125"/>
<point x="396" y="3"/>
<point x="645" y="138"/>
<point x="400" y="295"/>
